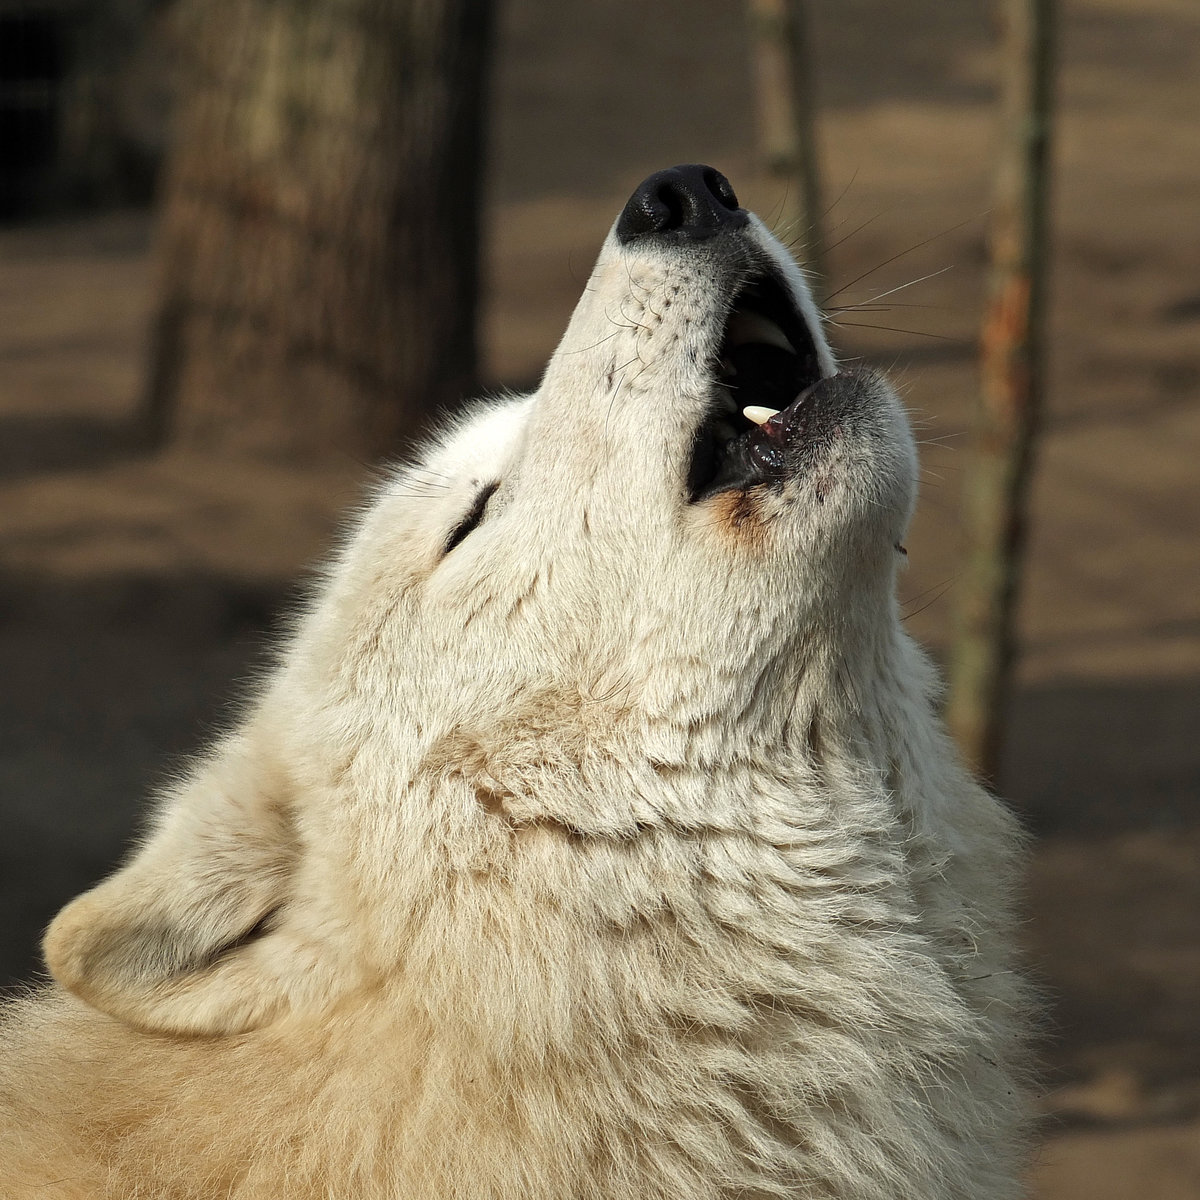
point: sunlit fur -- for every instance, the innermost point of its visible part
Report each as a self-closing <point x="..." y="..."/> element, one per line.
<point x="617" y="854"/>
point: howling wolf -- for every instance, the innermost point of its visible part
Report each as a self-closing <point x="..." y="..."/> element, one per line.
<point x="595" y="837"/>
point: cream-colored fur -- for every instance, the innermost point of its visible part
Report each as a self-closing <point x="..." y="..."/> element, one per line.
<point x="616" y="854"/>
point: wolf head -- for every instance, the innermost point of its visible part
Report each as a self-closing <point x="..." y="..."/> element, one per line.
<point x="577" y="607"/>
<point x="627" y="527"/>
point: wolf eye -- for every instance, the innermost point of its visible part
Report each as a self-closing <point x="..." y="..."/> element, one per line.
<point x="472" y="518"/>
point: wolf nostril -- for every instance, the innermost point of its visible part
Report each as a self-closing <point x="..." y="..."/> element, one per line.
<point x="721" y="188"/>
<point x="688" y="202"/>
<point x="667" y="209"/>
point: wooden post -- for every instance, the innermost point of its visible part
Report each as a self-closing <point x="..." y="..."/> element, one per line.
<point x="318" y="246"/>
<point x="995" y="491"/>
<point x="783" y="69"/>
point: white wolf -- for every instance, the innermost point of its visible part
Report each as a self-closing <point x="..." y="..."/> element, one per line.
<point x="595" y="837"/>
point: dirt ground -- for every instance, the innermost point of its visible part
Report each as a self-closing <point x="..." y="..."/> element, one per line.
<point x="137" y="594"/>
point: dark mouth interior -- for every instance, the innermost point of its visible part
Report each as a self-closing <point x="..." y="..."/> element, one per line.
<point x="767" y="357"/>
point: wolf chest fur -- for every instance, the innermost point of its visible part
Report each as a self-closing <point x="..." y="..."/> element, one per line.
<point x="595" y="836"/>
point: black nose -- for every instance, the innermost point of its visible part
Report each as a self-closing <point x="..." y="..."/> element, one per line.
<point x="689" y="203"/>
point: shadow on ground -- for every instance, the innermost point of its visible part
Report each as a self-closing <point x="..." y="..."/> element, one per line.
<point x="32" y="445"/>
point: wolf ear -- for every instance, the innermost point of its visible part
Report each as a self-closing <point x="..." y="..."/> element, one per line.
<point x="187" y="938"/>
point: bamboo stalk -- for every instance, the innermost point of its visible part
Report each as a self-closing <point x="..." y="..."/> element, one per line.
<point x="1009" y="412"/>
<point x="786" y="101"/>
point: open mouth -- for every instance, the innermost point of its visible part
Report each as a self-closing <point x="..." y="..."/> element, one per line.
<point x="766" y="362"/>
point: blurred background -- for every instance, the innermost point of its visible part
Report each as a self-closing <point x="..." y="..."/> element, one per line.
<point x="175" y="453"/>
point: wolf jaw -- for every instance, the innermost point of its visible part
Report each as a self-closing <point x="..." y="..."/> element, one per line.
<point x="705" y="361"/>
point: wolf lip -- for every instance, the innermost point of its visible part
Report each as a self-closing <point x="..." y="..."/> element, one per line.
<point x="764" y="453"/>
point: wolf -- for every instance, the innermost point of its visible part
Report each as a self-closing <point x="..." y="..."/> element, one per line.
<point x="595" y="835"/>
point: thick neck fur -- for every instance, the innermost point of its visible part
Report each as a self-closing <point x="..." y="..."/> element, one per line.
<point x="613" y="851"/>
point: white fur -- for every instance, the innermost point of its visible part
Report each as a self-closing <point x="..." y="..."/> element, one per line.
<point x="616" y="854"/>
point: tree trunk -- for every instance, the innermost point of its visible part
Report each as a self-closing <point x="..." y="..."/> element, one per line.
<point x="318" y="245"/>
<point x="1007" y="421"/>
<point x="785" y="95"/>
